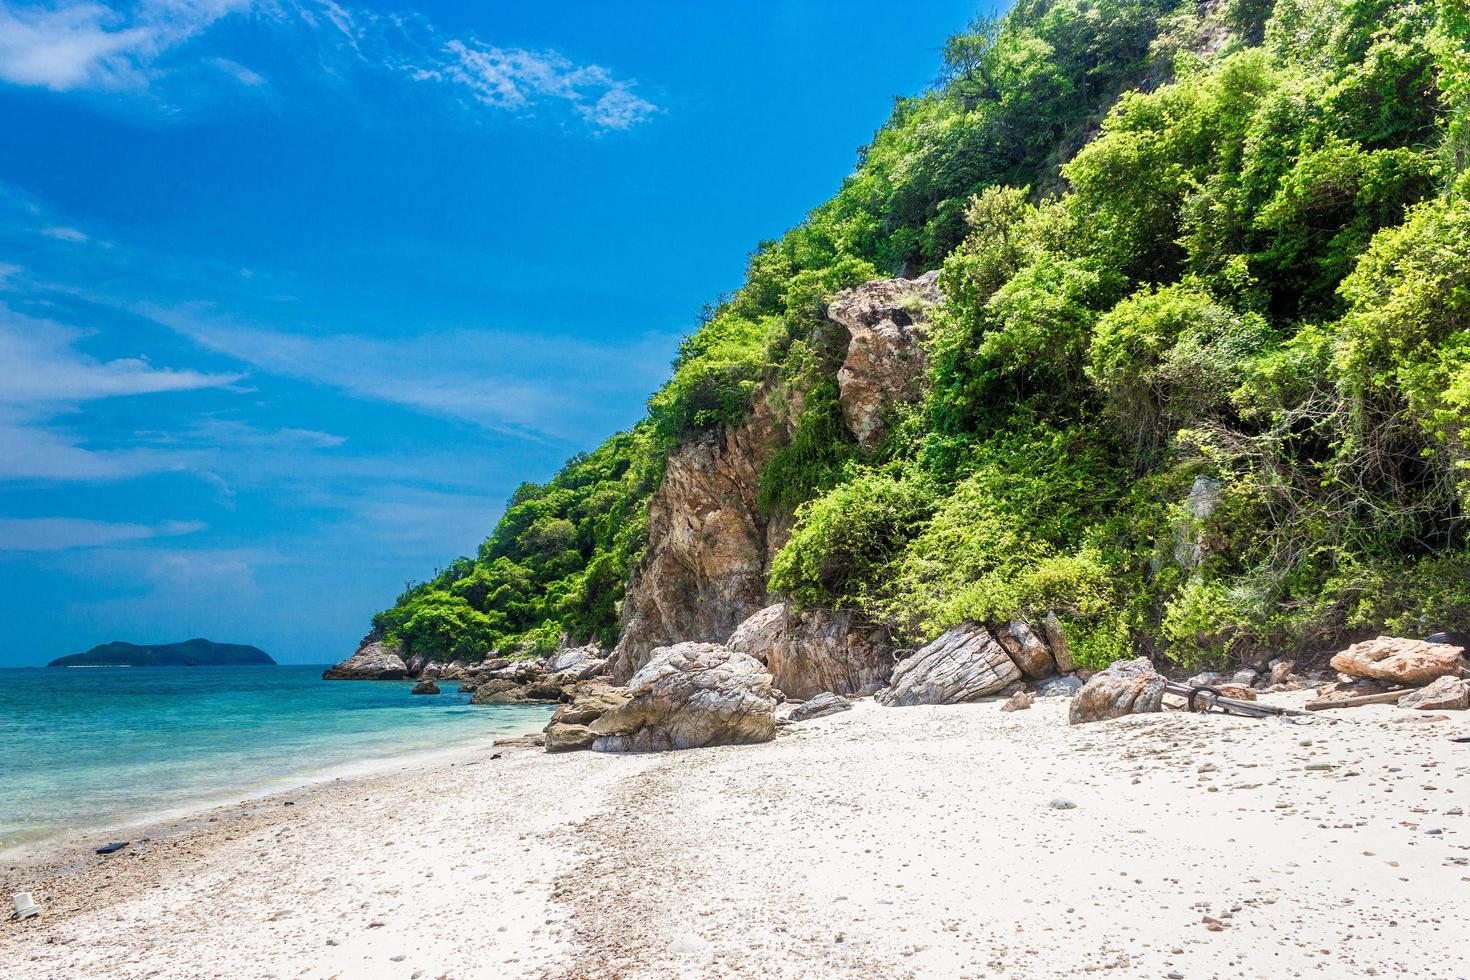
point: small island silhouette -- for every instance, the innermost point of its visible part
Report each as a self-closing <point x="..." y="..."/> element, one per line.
<point x="190" y="653"/>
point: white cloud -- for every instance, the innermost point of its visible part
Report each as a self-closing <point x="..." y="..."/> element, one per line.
<point x="64" y="234"/>
<point x="42" y="366"/>
<point x="82" y="45"/>
<point x="513" y="78"/>
<point x="78" y="45"/>
<point x="30" y="449"/>
<point x="521" y="383"/>
<point x="65" y="533"/>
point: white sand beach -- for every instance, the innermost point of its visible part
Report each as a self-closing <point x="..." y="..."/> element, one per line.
<point x="912" y="842"/>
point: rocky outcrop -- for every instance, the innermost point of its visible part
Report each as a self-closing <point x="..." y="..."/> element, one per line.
<point x="570" y="727"/>
<point x="708" y="544"/>
<point x="963" y="664"/>
<point x="1443" y="694"/>
<point x="585" y="661"/>
<point x="885" y="360"/>
<point x="820" y="706"/>
<point x="1125" y="688"/>
<point x="1400" y="661"/>
<point x="426" y="686"/>
<point x="691" y="695"/>
<point x="814" y="650"/>
<point x="375" y="660"/>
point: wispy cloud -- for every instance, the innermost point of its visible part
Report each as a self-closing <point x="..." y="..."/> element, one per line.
<point x="513" y="78"/>
<point x="82" y="45"/>
<point x="64" y="234"/>
<point x="516" y="382"/>
<point x="46" y="376"/>
<point x="65" y="533"/>
<point x="42" y="365"/>
<point x="78" y="45"/>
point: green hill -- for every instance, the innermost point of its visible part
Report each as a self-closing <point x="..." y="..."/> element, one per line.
<point x="1221" y="245"/>
<point x="190" y="653"/>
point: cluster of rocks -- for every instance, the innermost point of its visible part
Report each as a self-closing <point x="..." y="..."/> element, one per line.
<point x="971" y="662"/>
<point x="1411" y="673"/>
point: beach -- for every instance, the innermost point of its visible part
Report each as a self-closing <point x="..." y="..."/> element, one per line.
<point x="927" y="841"/>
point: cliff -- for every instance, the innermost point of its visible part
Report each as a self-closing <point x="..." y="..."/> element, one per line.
<point x="1146" y="321"/>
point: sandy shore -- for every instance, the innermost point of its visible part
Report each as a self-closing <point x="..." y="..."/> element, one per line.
<point x="881" y="842"/>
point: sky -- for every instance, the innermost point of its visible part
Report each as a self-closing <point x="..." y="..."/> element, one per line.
<point x="294" y="293"/>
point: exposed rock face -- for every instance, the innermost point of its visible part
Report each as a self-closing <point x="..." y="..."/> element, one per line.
<point x="690" y="695"/>
<point x="426" y="686"/>
<point x="580" y="659"/>
<point x="1443" y="694"/>
<point x="1400" y="661"/>
<point x="569" y="726"/>
<point x="1056" y="640"/>
<point x="708" y="544"/>
<point x="814" y="650"/>
<point x="885" y="361"/>
<point x="1027" y="650"/>
<point x="1201" y="504"/>
<point x="374" y="660"/>
<point x="1127" y="687"/>
<point x="963" y="664"/>
<point x="820" y="706"/>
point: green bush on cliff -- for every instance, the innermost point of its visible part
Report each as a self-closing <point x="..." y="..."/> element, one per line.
<point x="1177" y="240"/>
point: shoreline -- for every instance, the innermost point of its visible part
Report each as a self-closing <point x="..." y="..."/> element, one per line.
<point x="44" y="851"/>
<point x="880" y="842"/>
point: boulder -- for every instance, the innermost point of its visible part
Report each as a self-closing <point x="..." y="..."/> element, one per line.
<point x="823" y="704"/>
<point x="1400" y="661"/>
<point x="416" y="664"/>
<point x="1280" y="671"/>
<point x="1127" y="687"/>
<point x="1441" y="694"/>
<point x="691" y="695"/>
<point x="426" y="686"/>
<point x="963" y="664"/>
<point x="812" y="651"/>
<point x="375" y="660"/>
<point x="569" y="727"/>
<point x="1245" y="677"/>
<point x="577" y="658"/>
<point x="1056" y="641"/>
<point x="1062" y="686"/>
<point x="1027" y="650"/>
<point x="1019" y="701"/>
<point x="885" y="362"/>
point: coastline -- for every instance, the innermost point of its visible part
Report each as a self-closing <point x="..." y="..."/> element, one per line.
<point x="880" y="842"/>
<point x="48" y="851"/>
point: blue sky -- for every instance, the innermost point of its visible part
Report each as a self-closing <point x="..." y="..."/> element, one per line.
<point x="293" y="293"/>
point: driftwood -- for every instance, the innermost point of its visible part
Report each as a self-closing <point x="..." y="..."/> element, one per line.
<point x="1382" y="697"/>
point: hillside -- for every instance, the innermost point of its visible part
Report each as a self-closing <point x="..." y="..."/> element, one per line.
<point x="1195" y="380"/>
<point x="190" y="653"/>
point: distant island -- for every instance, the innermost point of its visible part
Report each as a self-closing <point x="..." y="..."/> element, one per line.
<point x="190" y="653"/>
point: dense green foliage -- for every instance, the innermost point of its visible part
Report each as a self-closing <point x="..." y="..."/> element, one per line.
<point x="1180" y="242"/>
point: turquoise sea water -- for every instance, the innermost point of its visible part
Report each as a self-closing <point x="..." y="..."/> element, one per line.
<point x="91" y="747"/>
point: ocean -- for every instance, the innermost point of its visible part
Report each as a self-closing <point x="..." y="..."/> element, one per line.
<point x="85" y="748"/>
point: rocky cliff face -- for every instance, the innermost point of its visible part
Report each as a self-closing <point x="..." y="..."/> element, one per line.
<point x="709" y="546"/>
<point x="708" y="543"/>
<point x="885" y="362"/>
